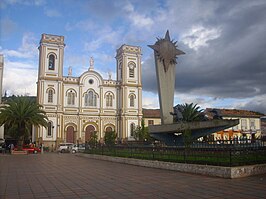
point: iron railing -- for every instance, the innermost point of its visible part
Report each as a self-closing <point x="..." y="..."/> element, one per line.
<point x="208" y="153"/>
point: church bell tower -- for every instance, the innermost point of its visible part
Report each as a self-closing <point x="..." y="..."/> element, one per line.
<point x="50" y="83"/>
<point x="51" y="55"/>
<point x="129" y="91"/>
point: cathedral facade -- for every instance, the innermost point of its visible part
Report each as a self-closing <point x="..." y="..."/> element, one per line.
<point x="78" y="107"/>
<point x="1" y="91"/>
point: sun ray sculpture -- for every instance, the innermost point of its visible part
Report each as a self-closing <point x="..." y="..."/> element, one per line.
<point x="165" y="55"/>
<point x="166" y="50"/>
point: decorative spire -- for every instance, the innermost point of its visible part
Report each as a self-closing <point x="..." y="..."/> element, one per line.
<point x="91" y="63"/>
<point x="69" y="71"/>
<point x="166" y="50"/>
<point x="110" y="75"/>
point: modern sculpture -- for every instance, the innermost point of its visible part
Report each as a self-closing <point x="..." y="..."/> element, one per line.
<point x="165" y="55"/>
<point x="165" y="52"/>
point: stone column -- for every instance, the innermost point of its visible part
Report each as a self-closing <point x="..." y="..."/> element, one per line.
<point x="166" y="89"/>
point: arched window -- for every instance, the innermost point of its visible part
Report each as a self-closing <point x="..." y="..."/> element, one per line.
<point x="50" y="129"/>
<point x="132" y="100"/>
<point x="51" y="62"/>
<point x="132" y="128"/>
<point x="109" y="100"/>
<point x="108" y="129"/>
<point x="91" y="99"/>
<point x="50" y="96"/>
<point x="71" y="98"/>
<point x="131" y="67"/>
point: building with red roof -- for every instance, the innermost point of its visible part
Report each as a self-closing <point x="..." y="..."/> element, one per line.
<point x="250" y="123"/>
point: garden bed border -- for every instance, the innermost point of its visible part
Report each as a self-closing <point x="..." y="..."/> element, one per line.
<point x="209" y="170"/>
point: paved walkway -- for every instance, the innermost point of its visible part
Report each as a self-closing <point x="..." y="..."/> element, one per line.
<point x="68" y="176"/>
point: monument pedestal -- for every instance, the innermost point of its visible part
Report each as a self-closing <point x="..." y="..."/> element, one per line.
<point x="171" y="134"/>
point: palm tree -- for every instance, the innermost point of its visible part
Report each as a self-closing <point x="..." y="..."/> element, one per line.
<point x="191" y="112"/>
<point x="20" y="114"/>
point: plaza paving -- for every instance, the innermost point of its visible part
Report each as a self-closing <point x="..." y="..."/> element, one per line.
<point x="55" y="175"/>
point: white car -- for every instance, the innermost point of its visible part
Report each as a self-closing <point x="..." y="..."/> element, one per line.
<point x="65" y="147"/>
<point x="78" y="148"/>
<point x="2" y="140"/>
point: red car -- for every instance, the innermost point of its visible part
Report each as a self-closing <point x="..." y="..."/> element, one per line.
<point x="30" y="149"/>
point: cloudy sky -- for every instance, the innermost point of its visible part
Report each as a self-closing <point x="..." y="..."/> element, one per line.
<point x="224" y="41"/>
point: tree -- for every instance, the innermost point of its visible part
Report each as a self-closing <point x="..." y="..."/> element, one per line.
<point x="109" y="138"/>
<point x="93" y="140"/>
<point x="191" y="112"/>
<point x="20" y="114"/>
<point x="141" y="132"/>
<point x="187" y="138"/>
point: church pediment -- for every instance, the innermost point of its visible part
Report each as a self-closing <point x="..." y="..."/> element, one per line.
<point x="91" y="78"/>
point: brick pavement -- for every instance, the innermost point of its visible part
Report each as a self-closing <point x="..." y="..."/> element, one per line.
<point x="55" y="176"/>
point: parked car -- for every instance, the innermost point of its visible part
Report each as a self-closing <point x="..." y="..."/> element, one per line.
<point x="2" y="141"/>
<point x="65" y="147"/>
<point x="30" y="149"/>
<point x="78" y="148"/>
<point x="2" y="147"/>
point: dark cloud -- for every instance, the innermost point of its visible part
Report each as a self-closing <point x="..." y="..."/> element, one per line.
<point x="257" y="104"/>
<point x="231" y="66"/>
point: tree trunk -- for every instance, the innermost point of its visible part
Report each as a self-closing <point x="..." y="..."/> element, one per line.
<point x="20" y="143"/>
<point x="21" y="137"/>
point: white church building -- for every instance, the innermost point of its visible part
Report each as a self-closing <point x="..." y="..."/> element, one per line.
<point x="1" y="90"/>
<point x="77" y="107"/>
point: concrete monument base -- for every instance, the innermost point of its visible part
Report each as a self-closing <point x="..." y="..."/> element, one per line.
<point x="171" y="134"/>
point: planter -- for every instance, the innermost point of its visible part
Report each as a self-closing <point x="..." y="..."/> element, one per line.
<point x="13" y="152"/>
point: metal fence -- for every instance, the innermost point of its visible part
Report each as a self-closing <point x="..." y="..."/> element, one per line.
<point x="206" y="153"/>
<point x="233" y="143"/>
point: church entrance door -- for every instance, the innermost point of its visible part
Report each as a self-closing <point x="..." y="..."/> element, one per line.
<point x="89" y="132"/>
<point x="70" y="134"/>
